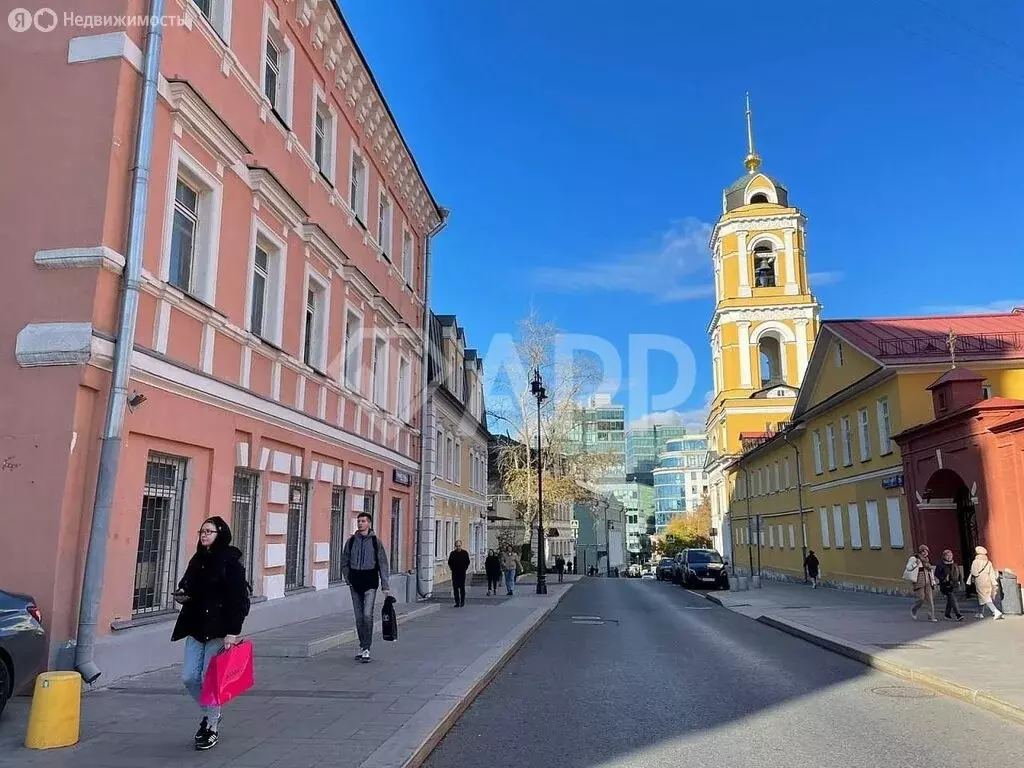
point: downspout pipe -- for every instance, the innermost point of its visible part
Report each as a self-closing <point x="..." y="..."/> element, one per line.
<point x="800" y="503"/>
<point x="113" y="430"/>
<point x="424" y="559"/>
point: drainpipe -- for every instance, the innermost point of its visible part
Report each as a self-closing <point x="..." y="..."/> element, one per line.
<point x="800" y="502"/>
<point x="113" y="430"/>
<point x="750" y="552"/>
<point x="424" y="559"/>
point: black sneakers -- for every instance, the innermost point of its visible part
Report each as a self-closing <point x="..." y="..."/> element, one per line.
<point x="205" y="738"/>
<point x="203" y="726"/>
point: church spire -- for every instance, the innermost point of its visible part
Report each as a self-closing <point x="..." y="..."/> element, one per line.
<point x="753" y="160"/>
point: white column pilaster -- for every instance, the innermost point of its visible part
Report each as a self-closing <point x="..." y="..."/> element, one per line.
<point x="744" y="349"/>
<point x="743" y="264"/>
<point x="791" y="281"/>
<point x="801" y="350"/>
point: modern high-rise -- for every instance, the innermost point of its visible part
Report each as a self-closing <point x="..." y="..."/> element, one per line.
<point x="644" y="445"/>
<point x="600" y="428"/>
<point x="637" y="498"/>
<point x="680" y="482"/>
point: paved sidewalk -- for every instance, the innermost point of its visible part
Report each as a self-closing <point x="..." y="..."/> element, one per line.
<point x="977" y="660"/>
<point x="327" y="710"/>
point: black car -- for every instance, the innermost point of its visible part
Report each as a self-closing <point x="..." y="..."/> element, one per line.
<point x="664" y="569"/>
<point x="22" y="644"/>
<point x="702" y="568"/>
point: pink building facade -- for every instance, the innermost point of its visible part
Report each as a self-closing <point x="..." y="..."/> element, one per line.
<point x="279" y="339"/>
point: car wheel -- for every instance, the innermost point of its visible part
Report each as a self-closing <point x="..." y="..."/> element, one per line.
<point x="6" y="682"/>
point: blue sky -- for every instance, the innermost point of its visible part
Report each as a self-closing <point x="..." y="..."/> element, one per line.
<point x="583" y="148"/>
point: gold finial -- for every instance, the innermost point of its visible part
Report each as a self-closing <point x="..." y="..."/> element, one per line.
<point x="951" y="343"/>
<point x="752" y="160"/>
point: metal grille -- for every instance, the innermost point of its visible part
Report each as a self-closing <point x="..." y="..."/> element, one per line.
<point x="337" y="533"/>
<point x="396" y="534"/>
<point x="295" y="543"/>
<point x="938" y="344"/>
<point x="243" y="515"/>
<point x="156" y="563"/>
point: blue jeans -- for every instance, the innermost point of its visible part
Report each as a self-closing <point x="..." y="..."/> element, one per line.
<point x="197" y="659"/>
<point x="510" y="579"/>
<point x="362" y="607"/>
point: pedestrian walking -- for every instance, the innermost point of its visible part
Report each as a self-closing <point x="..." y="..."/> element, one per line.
<point x="509" y="565"/>
<point x="921" y="573"/>
<point x="364" y="565"/>
<point x="812" y="565"/>
<point x="985" y="579"/>
<point x="492" y="565"/>
<point x="570" y="566"/>
<point x="560" y="567"/>
<point x="950" y="576"/>
<point x="458" y="564"/>
<point x="214" y="599"/>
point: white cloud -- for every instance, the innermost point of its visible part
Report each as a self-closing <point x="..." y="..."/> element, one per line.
<point x="677" y="269"/>
<point x="824" y="278"/>
<point x="694" y="420"/>
<point x="1004" y="305"/>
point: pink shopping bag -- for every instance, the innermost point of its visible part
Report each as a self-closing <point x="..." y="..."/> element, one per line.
<point x="229" y="674"/>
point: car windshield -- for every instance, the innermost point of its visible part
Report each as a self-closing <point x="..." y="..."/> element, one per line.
<point x="666" y="560"/>
<point x="705" y="557"/>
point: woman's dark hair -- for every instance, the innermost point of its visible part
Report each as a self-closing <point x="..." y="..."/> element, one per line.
<point x="223" y="534"/>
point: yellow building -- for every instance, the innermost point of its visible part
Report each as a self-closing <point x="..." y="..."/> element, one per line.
<point x="832" y="481"/>
<point x="764" y="323"/>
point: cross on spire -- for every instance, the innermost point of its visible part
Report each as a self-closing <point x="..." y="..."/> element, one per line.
<point x="951" y="343"/>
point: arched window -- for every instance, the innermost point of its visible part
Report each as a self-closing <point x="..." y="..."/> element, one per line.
<point x="760" y="197"/>
<point x="764" y="266"/>
<point x="770" y="355"/>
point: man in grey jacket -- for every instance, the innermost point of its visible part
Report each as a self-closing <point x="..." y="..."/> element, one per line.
<point x="364" y="565"/>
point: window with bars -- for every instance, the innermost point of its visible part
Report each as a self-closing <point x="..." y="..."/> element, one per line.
<point x="243" y="516"/>
<point x="337" y="533"/>
<point x="156" y="562"/>
<point x="395" y="552"/>
<point x="295" y="540"/>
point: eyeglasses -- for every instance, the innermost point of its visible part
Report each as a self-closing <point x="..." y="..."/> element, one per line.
<point x="207" y="532"/>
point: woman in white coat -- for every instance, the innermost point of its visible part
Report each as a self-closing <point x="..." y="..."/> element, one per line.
<point x="985" y="579"/>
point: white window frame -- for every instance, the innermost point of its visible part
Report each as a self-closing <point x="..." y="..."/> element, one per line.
<point x="785" y="474"/>
<point x="846" y="439"/>
<point x="816" y="444"/>
<point x="358" y="160"/>
<point x="792" y="537"/>
<point x="346" y="380"/>
<point x="385" y="233"/>
<point x="322" y="286"/>
<point x="439" y="454"/>
<point x="206" y="247"/>
<point x="379" y="385"/>
<point x="778" y="486"/>
<point x="830" y="446"/>
<point x="286" y="68"/>
<point x="895" y="515"/>
<point x="322" y="104"/>
<point x="853" y="513"/>
<point x="408" y="255"/>
<point x="884" y="426"/>
<point x="771" y="537"/>
<point x="404" y="405"/>
<point x="219" y="19"/>
<point x="864" y="434"/>
<point x="874" y="527"/>
<point x="276" y="249"/>
<point x="449" y="449"/>
<point x="458" y="463"/>
<point x="825" y="541"/>
<point x="438" y="556"/>
<point x="837" y="533"/>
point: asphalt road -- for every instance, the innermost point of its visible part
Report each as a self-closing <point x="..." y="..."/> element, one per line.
<point x="668" y="679"/>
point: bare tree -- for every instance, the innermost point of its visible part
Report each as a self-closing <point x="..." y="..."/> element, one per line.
<point x="568" y="469"/>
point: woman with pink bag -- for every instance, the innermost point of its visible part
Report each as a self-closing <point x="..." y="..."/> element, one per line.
<point x="214" y="597"/>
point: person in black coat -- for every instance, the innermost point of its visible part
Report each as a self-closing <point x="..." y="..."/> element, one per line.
<point x="492" y="565"/>
<point x="214" y="599"/>
<point x="812" y="566"/>
<point x="458" y="564"/>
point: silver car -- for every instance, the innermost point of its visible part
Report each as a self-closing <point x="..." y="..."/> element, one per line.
<point x="22" y="644"/>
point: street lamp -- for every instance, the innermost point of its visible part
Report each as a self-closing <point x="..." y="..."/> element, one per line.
<point x="537" y="389"/>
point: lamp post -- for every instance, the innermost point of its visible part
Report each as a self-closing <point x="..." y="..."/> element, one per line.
<point x="537" y="389"/>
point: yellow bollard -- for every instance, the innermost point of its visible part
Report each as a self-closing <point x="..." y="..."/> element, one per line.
<point x="56" y="711"/>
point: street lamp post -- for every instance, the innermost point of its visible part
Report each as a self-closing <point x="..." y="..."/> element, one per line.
<point x="537" y="388"/>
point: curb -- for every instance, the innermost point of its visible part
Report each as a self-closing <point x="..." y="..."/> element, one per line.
<point x="463" y="700"/>
<point x="866" y="656"/>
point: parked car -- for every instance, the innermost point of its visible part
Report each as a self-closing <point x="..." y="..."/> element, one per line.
<point x="664" y="569"/>
<point x="22" y="644"/>
<point x="702" y="568"/>
<point x="648" y="575"/>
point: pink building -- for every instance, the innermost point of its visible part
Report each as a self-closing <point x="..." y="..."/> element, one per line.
<point x="279" y="335"/>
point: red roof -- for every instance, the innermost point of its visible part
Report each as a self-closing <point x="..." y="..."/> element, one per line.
<point x="956" y="374"/>
<point x="755" y="435"/>
<point x="903" y="340"/>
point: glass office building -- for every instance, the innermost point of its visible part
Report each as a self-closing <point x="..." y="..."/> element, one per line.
<point x="644" y="445"/>
<point x="601" y="428"/>
<point x="680" y="482"/>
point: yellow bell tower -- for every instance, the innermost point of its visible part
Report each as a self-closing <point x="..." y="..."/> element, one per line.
<point x="765" y="318"/>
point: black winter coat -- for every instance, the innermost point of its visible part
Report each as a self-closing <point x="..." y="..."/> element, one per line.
<point x="215" y="585"/>
<point x="493" y="566"/>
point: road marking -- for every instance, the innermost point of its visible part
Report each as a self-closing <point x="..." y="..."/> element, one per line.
<point x="598" y="618"/>
<point x="701" y="595"/>
<point x="586" y="621"/>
